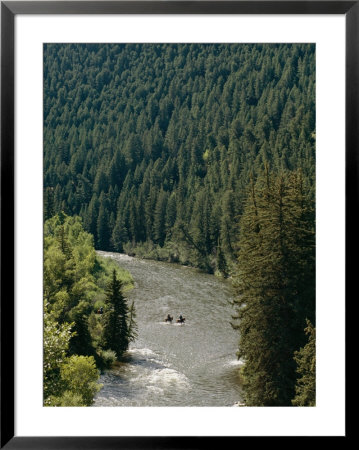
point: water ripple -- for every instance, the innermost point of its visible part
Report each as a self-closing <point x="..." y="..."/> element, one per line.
<point x="172" y="364"/>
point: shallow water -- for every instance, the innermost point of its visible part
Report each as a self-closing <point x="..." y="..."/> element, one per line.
<point x="193" y="364"/>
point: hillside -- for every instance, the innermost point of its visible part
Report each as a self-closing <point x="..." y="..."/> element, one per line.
<point x="153" y="145"/>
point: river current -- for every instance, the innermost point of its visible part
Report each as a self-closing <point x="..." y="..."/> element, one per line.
<point x="193" y="364"/>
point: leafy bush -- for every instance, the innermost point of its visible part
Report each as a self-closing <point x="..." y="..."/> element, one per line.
<point x="109" y="357"/>
<point x="80" y="375"/>
<point x="68" y="398"/>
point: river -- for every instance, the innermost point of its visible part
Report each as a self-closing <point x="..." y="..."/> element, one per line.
<point x="193" y="364"/>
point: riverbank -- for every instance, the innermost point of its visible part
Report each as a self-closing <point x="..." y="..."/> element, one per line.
<point x="177" y="253"/>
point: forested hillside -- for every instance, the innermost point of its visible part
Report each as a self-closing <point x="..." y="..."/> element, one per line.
<point x="154" y="145"/>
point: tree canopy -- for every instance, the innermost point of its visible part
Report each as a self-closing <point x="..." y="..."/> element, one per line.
<point x="75" y="279"/>
<point x="155" y="143"/>
<point x="275" y="285"/>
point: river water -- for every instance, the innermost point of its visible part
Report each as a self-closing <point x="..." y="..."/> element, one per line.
<point x="193" y="364"/>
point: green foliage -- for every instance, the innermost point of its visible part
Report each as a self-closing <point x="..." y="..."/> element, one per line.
<point x="56" y="343"/>
<point x="162" y="150"/>
<point x="116" y="335"/>
<point x="81" y="343"/>
<point x="68" y="381"/>
<point x="306" y="369"/>
<point x="154" y="143"/>
<point x="80" y="375"/>
<point x="104" y="268"/>
<point x="69" y="260"/>
<point x="221" y="263"/>
<point x="74" y="276"/>
<point x="95" y="328"/>
<point x="74" y="285"/>
<point x="109" y="357"/>
<point x="68" y="398"/>
<point x="275" y="283"/>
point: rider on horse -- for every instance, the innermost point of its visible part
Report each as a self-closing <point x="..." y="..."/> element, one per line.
<point x="181" y="319"/>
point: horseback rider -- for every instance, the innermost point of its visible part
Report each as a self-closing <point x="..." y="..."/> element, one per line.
<point x="169" y="318"/>
<point x="181" y="318"/>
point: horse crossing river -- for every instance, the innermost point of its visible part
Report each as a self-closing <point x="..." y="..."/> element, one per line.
<point x="191" y="364"/>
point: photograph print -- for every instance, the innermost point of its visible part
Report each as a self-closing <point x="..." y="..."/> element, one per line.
<point x="179" y="225"/>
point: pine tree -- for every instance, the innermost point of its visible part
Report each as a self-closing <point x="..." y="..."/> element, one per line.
<point x="201" y="223"/>
<point x="159" y="229"/>
<point x="103" y="229"/>
<point x="228" y="223"/>
<point x="81" y="342"/>
<point x="49" y="207"/>
<point x="91" y="216"/>
<point x="306" y="363"/>
<point x="115" y="319"/>
<point x="275" y="296"/>
<point x="119" y="234"/>
<point x="170" y="214"/>
<point x="221" y="261"/>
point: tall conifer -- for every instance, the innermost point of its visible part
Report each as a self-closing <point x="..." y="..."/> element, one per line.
<point x="306" y="361"/>
<point x="115" y="333"/>
<point x="275" y="296"/>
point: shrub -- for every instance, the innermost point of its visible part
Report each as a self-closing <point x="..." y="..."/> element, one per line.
<point x="80" y="375"/>
<point x="109" y="357"/>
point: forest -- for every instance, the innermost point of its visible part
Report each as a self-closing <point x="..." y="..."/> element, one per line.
<point x="202" y="154"/>
<point x="153" y="145"/>
<point x="78" y="341"/>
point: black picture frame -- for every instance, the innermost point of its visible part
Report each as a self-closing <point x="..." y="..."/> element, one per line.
<point x="9" y="9"/>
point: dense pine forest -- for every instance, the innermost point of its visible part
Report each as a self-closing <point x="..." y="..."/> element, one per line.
<point x="153" y="145"/>
<point x="202" y="154"/>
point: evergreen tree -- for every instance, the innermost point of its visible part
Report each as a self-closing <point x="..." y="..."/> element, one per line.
<point x="200" y="230"/>
<point x="274" y="294"/>
<point x="170" y="214"/>
<point x="119" y="234"/>
<point x="228" y="224"/>
<point x="49" y="205"/>
<point x="115" y="319"/>
<point x="81" y="342"/>
<point x="221" y="262"/>
<point x="103" y="229"/>
<point x="306" y="369"/>
<point x="159" y="229"/>
<point x="91" y="217"/>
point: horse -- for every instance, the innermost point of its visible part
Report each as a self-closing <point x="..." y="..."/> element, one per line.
<point x="169" y="319"/>
<point x="181" y="320"/>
